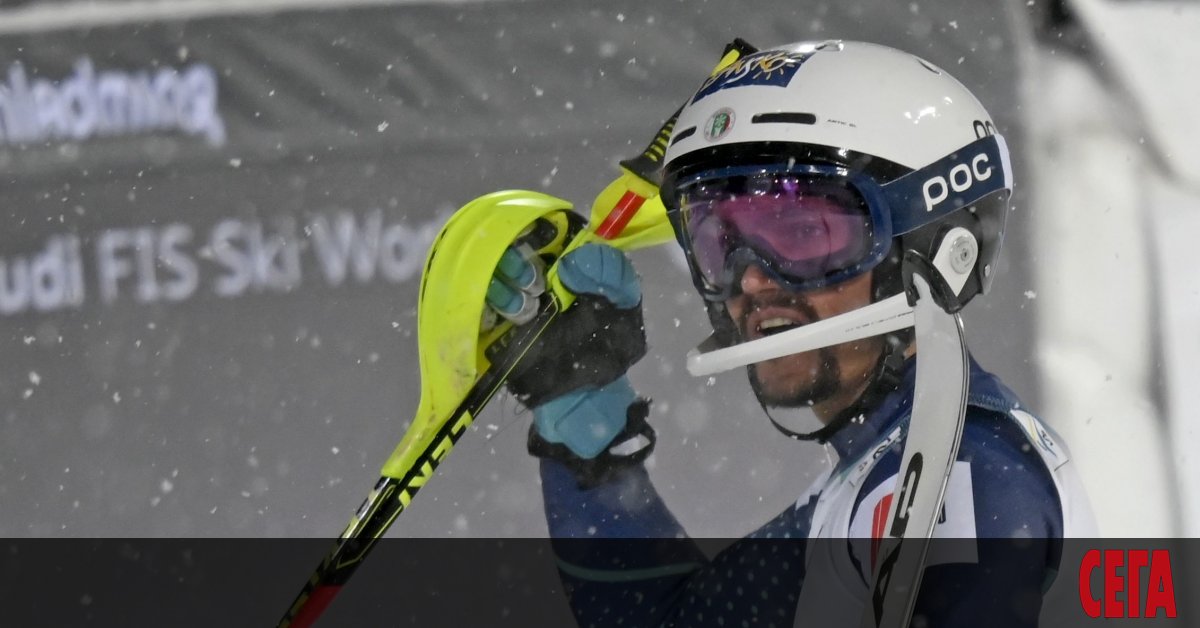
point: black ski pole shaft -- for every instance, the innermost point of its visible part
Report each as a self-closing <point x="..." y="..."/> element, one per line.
<point x="391" y="496"/>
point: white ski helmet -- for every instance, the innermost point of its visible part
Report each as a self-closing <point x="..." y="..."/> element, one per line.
<point x="893" y="149"/>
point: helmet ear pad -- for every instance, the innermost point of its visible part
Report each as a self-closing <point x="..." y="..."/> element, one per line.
<point x="985" y="220"/>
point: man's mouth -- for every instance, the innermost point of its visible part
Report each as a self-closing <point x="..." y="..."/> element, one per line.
<point x="769" y="316"/>
<point x="772" y="326"/>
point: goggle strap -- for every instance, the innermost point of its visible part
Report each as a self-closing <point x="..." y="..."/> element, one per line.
<point x="955" y="181"/>
<point x="891" y="314"/>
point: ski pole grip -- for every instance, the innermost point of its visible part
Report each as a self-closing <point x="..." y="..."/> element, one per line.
<point x="648" y="165"/>
<point x="628" y="213"/>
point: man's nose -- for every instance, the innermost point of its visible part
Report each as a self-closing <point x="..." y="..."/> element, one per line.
<point x="755" y="281"/>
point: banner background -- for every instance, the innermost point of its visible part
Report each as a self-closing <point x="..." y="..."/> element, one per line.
<point x="269" y="412"/>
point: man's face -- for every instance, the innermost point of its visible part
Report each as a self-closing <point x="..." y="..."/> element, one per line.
<point x="830" y="378"/>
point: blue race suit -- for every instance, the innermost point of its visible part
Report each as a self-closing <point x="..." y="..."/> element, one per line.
<point x="812" y="564"/>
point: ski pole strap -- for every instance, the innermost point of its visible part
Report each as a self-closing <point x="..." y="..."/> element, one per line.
<point x="638" y="435"/>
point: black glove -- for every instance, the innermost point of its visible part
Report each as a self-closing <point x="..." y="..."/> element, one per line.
<point x="586" y="414"/>
<point x="594" y="341"/>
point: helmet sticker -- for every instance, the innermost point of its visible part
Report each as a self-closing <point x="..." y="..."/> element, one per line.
<point x="955" y="181"/>
<point x="718" y="124"/>
<point x="773" y="67"/>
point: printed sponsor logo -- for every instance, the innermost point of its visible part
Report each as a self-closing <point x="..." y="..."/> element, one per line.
<point x="718" y="124"/>
<point x="869" y="461"/>
<point x="774" y="68"/>
<point x="879" y="525"/>
<point x="908" y="493"/>
<point x="50" y="279"/>
<point x="173" y="262"/>
<point x="87" y="104"/>
<point x="961" y="177"/>
<point x="955" y="521"/>
<point x="1122" y="590"/>
<point x="1040" y="436"/>
<point x="983" y="128"/>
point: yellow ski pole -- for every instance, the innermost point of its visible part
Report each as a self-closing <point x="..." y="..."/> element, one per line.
<point x="457" y="378"/>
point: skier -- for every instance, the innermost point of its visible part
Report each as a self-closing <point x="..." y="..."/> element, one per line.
<point x="795" y="181"/>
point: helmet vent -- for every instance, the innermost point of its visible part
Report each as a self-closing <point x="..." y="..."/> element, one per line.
<point x="784" y="118"/>
<point x="683" y="135"/>
<point x="928" y="66"/>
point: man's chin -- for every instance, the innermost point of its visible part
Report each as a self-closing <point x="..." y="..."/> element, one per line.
<point x="795" y="381"/>
<point x="774" y="390"/>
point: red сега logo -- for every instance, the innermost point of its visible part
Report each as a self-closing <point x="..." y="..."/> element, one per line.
<point x="1158" y="588"/>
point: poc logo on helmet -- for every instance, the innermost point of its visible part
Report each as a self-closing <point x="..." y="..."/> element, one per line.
<point x="961" y="177"/>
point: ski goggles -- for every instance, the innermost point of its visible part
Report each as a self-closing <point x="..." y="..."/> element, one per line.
<point x="805" y="227"/>
<point x="810" y="226"/>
